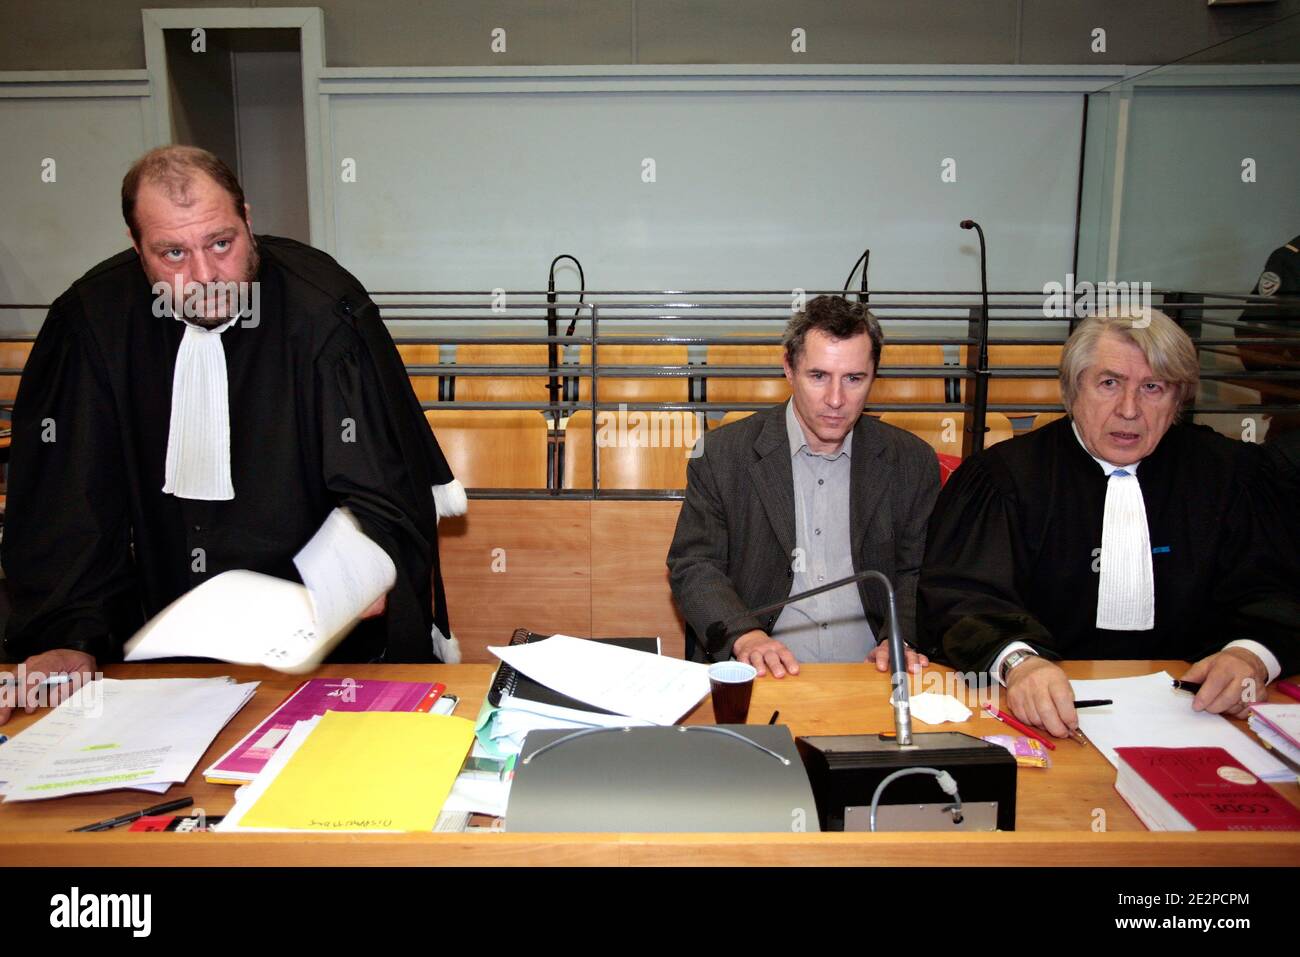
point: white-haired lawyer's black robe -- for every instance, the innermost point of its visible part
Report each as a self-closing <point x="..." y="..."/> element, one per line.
<point x="322" y="415"/>
<point x="1013" y="541"/>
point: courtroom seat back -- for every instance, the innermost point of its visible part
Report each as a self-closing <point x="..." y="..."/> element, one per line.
<point x="502" y="388"/>
<point x="419" y="354"/>
<point x="651" y="388"/>
<point x="13" y="355"/>
<point x="1008" y="391"/>
<point x="642" y="450"/>
<point x="942" y="431"/>
<point x="764" y="389"/>
<point x="492" y="448"/>
<point x="908" y="389"/>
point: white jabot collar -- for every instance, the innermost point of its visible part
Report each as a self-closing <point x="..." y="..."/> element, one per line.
<point x="1126" y="590"/>
<point x="198" y="440"/>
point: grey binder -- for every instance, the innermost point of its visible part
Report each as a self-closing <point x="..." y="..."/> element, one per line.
<point x="664" y="779"/>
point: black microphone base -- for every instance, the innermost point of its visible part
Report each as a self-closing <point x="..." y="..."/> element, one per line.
<point x="845" y="770"/>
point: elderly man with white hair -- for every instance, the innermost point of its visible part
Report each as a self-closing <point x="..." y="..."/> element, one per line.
<point x="1118" y="532"/>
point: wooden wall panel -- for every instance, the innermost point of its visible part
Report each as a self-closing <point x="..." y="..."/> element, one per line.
<point x="543" y="581"/>
<point x="583" y="568"/>
<point x="629" y="580"/>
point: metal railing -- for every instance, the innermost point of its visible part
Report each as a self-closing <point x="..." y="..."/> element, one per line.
<point x="756" y="318"/>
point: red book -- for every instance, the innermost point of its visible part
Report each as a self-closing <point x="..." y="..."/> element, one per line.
<point x="1199" y="789"/>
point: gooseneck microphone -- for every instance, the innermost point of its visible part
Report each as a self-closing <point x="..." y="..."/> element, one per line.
<point x="552" y="323"/>
<point x="865" y="259"/>
<point x="716" y="634"/>
<point x="553" y="348"/>
<point x="552" y="330"/>
<point x="982" y="371"/>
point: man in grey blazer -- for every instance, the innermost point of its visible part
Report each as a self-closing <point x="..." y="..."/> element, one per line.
<point x="802" y="494"/>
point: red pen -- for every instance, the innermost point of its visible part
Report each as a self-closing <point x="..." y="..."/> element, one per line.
<point x="1287" y="688"/>
<point x="1007" y="719"/>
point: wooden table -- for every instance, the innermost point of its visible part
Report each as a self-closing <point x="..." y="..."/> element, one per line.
<point x="1057" y="809"/>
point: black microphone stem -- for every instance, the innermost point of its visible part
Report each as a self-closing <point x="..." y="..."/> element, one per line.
<point x="982" y="372"/>
<point x="865" y="260"/>
<point x="897" y="651"/>
<point x="568" y="391"/>
<point x="552" y="349"/>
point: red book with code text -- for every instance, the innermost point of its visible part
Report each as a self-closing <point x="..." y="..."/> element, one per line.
<point x="1199" y="789"/>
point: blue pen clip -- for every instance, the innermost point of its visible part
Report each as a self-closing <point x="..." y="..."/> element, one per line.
<point x="1160" y="550"/>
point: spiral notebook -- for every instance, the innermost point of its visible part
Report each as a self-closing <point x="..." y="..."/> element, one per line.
<point x="510" y="689"/>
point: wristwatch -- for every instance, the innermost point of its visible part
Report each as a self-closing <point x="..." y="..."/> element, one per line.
<point x="1013" y="660"/>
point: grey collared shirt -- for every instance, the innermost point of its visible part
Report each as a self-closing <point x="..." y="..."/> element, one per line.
<point x="831" y="626"/>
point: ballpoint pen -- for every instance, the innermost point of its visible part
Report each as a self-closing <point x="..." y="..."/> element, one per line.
<point x="113" y="822"/>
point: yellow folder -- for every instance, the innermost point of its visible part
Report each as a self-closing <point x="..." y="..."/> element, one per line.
<point x="356" y="771"/>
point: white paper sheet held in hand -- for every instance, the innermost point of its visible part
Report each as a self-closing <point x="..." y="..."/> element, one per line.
<point x="1148" y="713"/>
<point x="254" y="619"/>
<point x="634" y="683"/>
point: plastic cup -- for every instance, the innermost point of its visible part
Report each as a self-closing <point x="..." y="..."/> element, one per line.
<point x="732" y="683"/>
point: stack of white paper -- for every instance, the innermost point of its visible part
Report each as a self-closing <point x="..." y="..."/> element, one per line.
<point x="506" y="727"/>
<point x="1279" y="725"/>
<point x="648" y="687"/>
<point x="146" y="734"/>
<point x="1148" y="713"/>
<point x="515" y="723"/>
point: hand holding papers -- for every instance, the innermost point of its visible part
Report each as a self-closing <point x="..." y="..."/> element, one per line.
<point x="345" y="573"/>
<point x="253" y="619"/>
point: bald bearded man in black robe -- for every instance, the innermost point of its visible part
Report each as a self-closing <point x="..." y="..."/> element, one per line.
<point x="321" y="416"/>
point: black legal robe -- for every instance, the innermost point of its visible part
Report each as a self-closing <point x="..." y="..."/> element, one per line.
<point x="322" y="414"/>
<point x="1013" y="546"/>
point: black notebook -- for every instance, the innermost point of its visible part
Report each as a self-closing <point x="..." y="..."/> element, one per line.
<point x="512" y="689"/>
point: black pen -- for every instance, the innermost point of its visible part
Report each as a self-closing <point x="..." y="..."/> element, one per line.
<point x="113" y="822"/>
<point x="1093" y="703"/>
<point x="775" y="715"/>
<point x="1191" y="686"/>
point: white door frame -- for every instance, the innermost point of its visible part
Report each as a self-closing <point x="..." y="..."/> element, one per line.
<point x="310" y="24"/>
